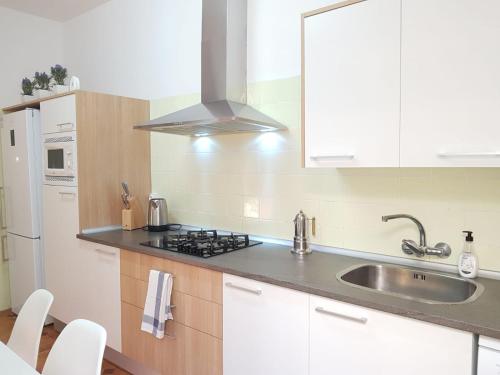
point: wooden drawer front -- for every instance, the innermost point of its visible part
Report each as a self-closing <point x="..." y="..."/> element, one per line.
<point x="195" y="281"/>
<point x="189" y="352"/>
<point x="130" y="263"/>
<point x="193" y="312"/>
<point x="199" y="314"/>
<point x="165" y="356"/>
<point x="58" y="115"/>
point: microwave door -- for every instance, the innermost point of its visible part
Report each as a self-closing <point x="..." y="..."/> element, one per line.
<point x="54" y="160"/>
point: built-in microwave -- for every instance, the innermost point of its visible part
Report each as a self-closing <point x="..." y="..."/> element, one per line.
<point x="59" y="158"/>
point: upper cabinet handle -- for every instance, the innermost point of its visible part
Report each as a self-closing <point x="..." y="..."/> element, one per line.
<point x="322" y="310"/>
<point x="245" y="289"/>
<point x="468" y="154"/>
<point x="332" y="156"/>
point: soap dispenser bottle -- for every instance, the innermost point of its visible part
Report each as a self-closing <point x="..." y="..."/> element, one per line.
<point x="467" y="263"/>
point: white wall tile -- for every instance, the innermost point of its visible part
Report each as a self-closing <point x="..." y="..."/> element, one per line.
<point x="254" y="183"/>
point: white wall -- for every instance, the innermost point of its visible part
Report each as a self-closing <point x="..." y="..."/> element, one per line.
<point x="274" y="37"/>
<point x="147" y="49"/>
<point x="151" y="49"/>
<point x="143" y="49"/>
<point x="29" y="44"/>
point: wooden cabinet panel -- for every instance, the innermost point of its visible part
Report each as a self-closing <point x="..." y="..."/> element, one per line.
<point x="130" y="263"/>
<point x="351" y="85"/>
<point x="111" y="151"/>
<point x="148" y="263"/>
<point x="207" y="359"/>
<point x="133" y="291"/>
<point x="166" y="355"/>
<point x="188" y="352"/>
<point x="195" y="281"/>
<point x="197" y="313"/>
<point x="194" y="345"/>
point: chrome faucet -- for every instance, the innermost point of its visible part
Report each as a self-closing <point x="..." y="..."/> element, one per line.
<point x="410" y="247"/>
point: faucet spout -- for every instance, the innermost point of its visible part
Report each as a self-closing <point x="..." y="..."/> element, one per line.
<point x="410" y="247"/>
<point x="423" y="240"/>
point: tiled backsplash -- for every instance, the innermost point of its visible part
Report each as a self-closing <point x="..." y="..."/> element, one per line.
<point x="254" y="183"/>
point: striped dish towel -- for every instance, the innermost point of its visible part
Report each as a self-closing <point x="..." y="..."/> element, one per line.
<point x="157" y="309"/>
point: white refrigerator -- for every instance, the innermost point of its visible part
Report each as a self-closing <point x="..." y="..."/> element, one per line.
<point x="22" y="166"/>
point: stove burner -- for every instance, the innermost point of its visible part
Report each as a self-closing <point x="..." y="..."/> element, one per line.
<point x="202" y="243"/>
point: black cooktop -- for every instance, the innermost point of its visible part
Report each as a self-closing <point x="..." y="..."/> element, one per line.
<point x="202" y="243"/>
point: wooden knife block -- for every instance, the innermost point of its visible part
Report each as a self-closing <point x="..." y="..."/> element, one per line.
<point x="128" y="215"/>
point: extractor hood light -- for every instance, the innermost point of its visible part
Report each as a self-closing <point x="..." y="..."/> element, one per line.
<point x="201" y="134"/>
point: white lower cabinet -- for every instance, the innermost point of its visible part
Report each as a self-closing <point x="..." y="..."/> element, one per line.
<point x="265" y="329"/>
<point x="60" y="226"/>
<point x="99" y="288"/>
<point x="273" y="330"/>
<point x="488" y="361"/>
<point x="349" y="339"/>
<point x="83" y="276"/>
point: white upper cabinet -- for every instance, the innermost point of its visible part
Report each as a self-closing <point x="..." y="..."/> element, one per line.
<point x="58" y="114"/>
<point x="410" y="83"/>
<point x="351" y="85"/>
<point x="450" y="109"/>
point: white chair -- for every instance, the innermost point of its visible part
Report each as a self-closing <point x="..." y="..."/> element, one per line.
<point x="25" y="337"/>
<point x="78" y="350"/>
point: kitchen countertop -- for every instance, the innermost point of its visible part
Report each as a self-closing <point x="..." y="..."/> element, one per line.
<point x="316" y="274"/>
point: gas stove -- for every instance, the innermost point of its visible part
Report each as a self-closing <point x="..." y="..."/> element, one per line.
<point x="202" y="243"/>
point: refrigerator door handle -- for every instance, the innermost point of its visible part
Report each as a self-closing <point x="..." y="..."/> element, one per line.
<point x="5" y="254"/>
<point x="2" y="208"/>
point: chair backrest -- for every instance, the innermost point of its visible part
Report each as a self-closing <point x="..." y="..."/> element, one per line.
<point x="25" y="337"/>
<point x="78" y="350"/>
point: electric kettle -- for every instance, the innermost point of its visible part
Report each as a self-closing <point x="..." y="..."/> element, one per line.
<point x="157" y="215"/>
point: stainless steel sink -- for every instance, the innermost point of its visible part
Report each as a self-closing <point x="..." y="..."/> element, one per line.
<point x="414" y="284"/>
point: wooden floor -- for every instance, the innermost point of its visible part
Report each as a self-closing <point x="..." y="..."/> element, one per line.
<point x="49" y="336"/>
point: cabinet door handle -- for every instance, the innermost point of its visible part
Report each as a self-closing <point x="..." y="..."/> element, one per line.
<point x="245" y="289"/>
<point x="5" y="254"/>
<point x="65" y="124"/>
<point x="105" y="252"/>
<point x="322" y="310"/>
<point x="67" y="193"/>
<point x="2" y="208"/>
<point x="468" y="154"/>
<point x="332" y="156"/>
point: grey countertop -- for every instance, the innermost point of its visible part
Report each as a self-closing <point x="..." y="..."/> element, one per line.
<point x="316" y="274"/>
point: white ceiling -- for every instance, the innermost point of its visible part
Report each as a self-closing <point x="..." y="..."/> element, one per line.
<point x="58" y="10"/>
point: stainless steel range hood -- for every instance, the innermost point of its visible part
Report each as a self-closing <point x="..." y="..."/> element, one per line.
<point x="223" y="107"/>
